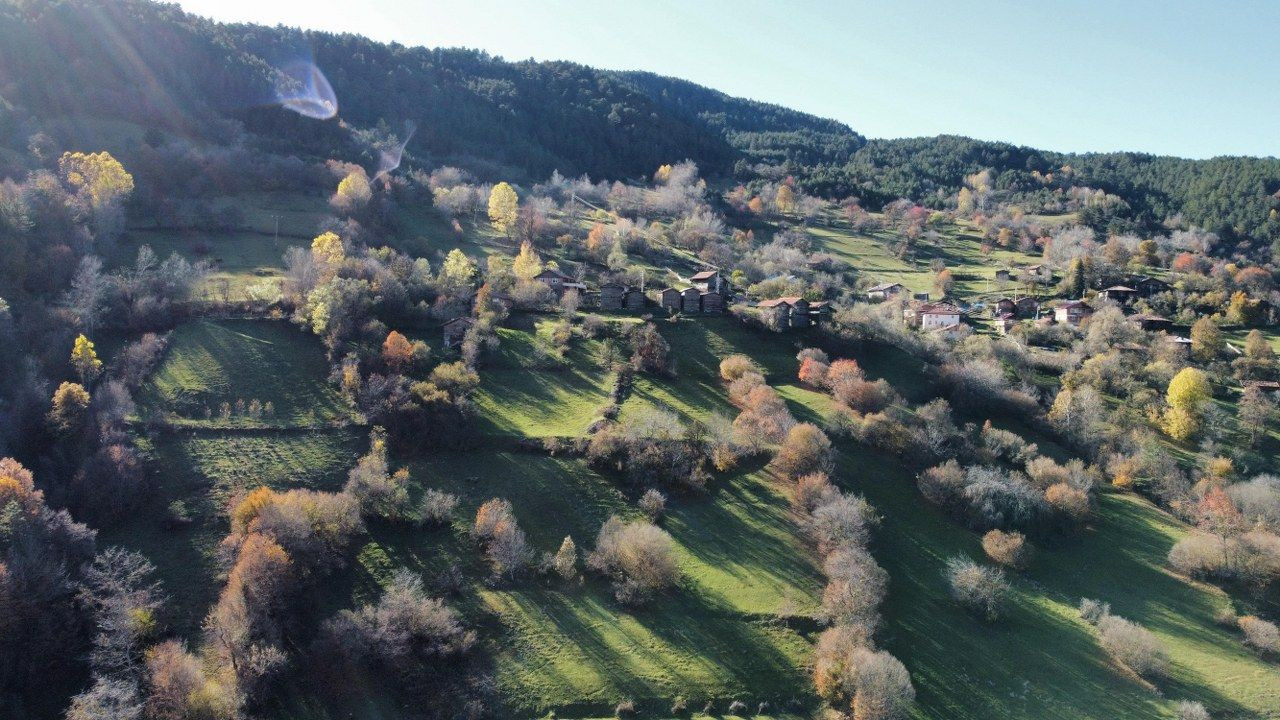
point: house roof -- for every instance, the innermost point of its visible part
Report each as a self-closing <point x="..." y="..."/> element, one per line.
<point x="939" y="309"/>
<point x="792" y="300"/>
<point x="704" y="275"/>
<point x="883" y="286"/>
<point x="710" y="292"/>
<point x="461" y="319"/>
<point x="548" y="272"/>
<point x="1118" y="288"/>
<point x="1076" y="304"/>
<point x="667" y="290"/>
<point x="1144" y="317"/>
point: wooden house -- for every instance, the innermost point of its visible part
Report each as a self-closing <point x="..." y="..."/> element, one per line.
<point x="690" y="300"/>
<point x="611" y="297"/>
<point x="669" y="299"/>
<point x="712" y="302"/>
<point x="1003" y="306"/>
<point x="1026" y="307"/>
<point x="633" y="300"/>
<point x="1004" y="275"/>
<point x="1151" y="323"/>
<point x="1072" y="312"/>
<point x="787" y="312"/>
<point x="455" y="330"/>
<point x="1148" y="286"/>
<point x="819" y="311"/>
<point x="708" y="281"/>
<point x="1118" y="293"/>
<point x="885" y="291"/>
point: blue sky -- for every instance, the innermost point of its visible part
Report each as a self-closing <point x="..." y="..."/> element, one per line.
<point x="1195" y="79"/>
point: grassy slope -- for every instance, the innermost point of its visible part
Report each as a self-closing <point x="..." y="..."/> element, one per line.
<point x="518" y="398"/>
<point x="574" y="649"/>
<point x="1041" y="661"/>
<point x="208" y="363"/>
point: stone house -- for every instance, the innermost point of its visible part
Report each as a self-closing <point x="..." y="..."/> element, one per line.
<point x="708" y="281"/>
<point x="786" y="312"/>
<point x="933" y="316"/>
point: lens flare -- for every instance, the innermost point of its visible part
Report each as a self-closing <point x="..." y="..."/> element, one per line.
<point x="389" y="157"/>
<point x="302" y="88"/>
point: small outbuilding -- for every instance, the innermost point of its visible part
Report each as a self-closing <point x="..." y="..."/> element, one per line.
<point x="455" y="330"/>
<point x="1151" y="323"/>
<point x="633" y="300"/>
<point x="669" y="299"/>
<point x="690" y="300"/>
<point x="885" y="291"/>
<point x="611" y="297"/>
<point x="712" y="302"/>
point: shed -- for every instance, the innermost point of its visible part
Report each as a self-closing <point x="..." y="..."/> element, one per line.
<point x="633" y="300"/>
<point x="690" y="300"/>
<point x="611" y="296"/>
<point x="455" y="330"/>
<point x="669" y="299"/>
<point x="712" y="302"/>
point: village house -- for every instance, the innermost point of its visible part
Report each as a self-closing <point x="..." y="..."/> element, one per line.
<point x="1026" y="307"/>
<point x="1072" y="312"/>
<point x="633" y="300"/>
<point x="933" y="316"/>
<point x="1004" y="275"/>
<point x="1006" y="322"/>
<point x="1003" y="306"/>
<point x="786" y="312"/>
<point x="669" y="299"/>
<point x="712" y="302"/>
<point x="708" y="281"/>
<point x="690" y="300"/>
<point x="1118" y="293"/>
<point x="885" y="291"/>
<point x="611" y="297"/>
<point x="1182" y="344"/>
<point x="455" y="330"/>
<point x="819" y="311"/>
<point x="1151" y="323"/>
<point x="1148" y="286"/>
<point x="558" y="281"/>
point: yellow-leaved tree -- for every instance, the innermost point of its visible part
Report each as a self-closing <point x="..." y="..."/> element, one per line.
<point x="786" y="200"/>
<point x="99" y="175"/>
<point x="1188" y="392"/>
<point x="458" y="269"/>
<point x="504" y="207"/>
<point x="328" y="253"/>
<point x="527" y="264"/>
<point x="354" y="191"/>
<point x="85" y="359"/>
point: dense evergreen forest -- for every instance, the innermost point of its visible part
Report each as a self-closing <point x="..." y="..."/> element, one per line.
<point x="157" y="65"/>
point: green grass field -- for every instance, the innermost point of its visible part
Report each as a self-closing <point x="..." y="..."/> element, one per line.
<point x="520" y="396"/>
<point x="211" y="362"/>
<point x="573" y="648"/>
<point x="1041" y="660"/>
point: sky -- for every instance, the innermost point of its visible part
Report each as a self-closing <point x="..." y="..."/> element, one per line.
<point x="1194" y="79"/>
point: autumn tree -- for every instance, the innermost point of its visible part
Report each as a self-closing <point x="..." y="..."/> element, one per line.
<point x="104" y="182"/>
<point x="458" y="270"/>
<point x="527" y="264"/>
<point x="943" y="283"/>
<point x="354" y="191"/>
<point x="504" y="207"/>
<point x="805" y="450"/>
<point x="1187" y="394"/>
<point x="785" y="201"/>
<point x="328" y="254"/>
<point x="397" y="351"/>
<point x="1207" y="342"/>
<point x="84" y="358"/>
<point x="1255" y="411"/>
<point x="70" y="404"/>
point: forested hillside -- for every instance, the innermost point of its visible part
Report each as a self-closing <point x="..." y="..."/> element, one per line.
<point x="158" y="66"/>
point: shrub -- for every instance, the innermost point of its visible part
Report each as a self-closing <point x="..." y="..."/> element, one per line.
<point x="1007" y="548"/>
<point x="638" y="556"/>
<point x="437" y="507"/>
<point x="653" y="503"/>
<point x="1132" y="645"/>
<point x="811" y="491"/>
<point x="625" y="709"/>
<point x="1190" y="710"/>
<point x="998" y="500"/>
<point x="981" y="590"/>
<point x="565" y="561"/>
<point x="856" y="586"/>
<point x="1261" y="635"/>
<point x="842" y="520"/>
<point x="1092" y="611"/>
<point x="1071" y="502"/>
<point x="944" y="484"/>
<point x="882" y="688"/>
<point x="737" y="707"/>
<point x="805" y="450"/>
<point x="735" y="366"/>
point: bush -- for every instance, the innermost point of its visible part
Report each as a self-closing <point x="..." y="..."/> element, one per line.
<point x="805" y="450"/>
<point x="1007" y="548"/>
<point x="841" y="520"/>
<point x="856" y="586"/>
<point x="735" y="366"/>
<point x="882" y="687"/>
<point x="653" y="503"/>
<point x="1132" y="645"/>
<point x="625" y="709"/>
<point x="942" y="485"/>
<point x="811" y="491"/>
<point x="1072" y="503"/>
<point x="737" y="707"/>
<point x="1092" y="611"/>
<point x="1261" y="635"/>
<point x="437" y="508"/>
<point x="1190" y="710"/>
<point x="638" y="556"/>
<point x="981" y="590"/>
